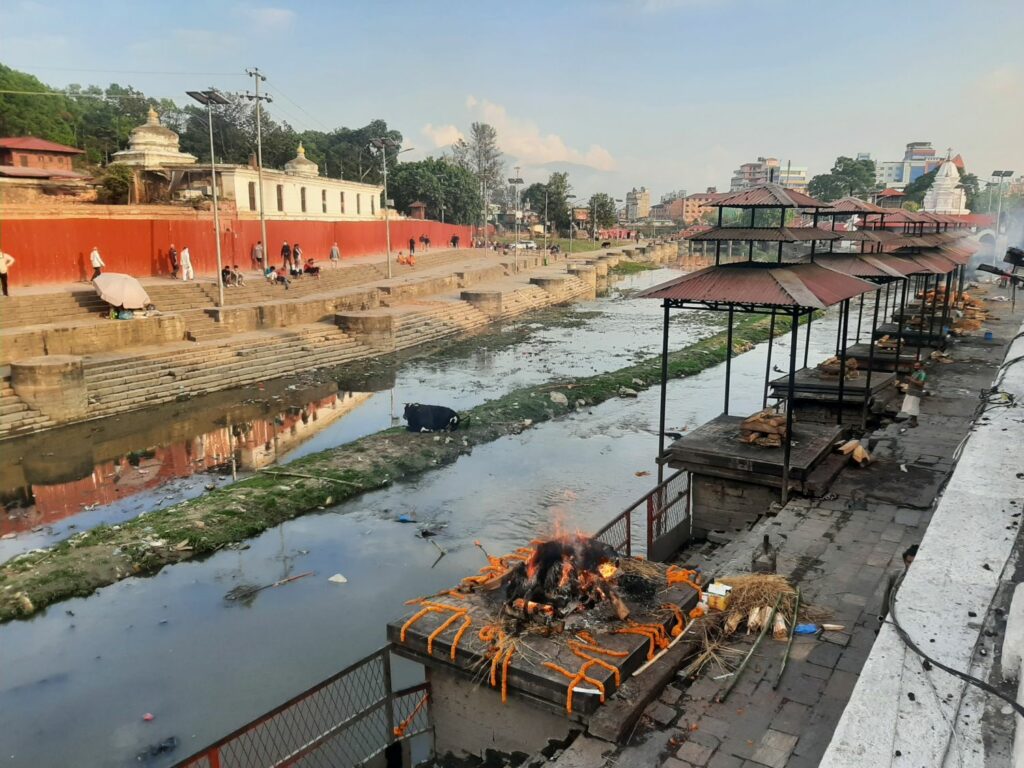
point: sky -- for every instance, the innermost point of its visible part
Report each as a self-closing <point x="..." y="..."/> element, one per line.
<point x="667" y="94"/>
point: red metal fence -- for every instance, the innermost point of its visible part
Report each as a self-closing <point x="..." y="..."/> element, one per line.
<point x="664" y="510"/>
<point x="348" y="719"/>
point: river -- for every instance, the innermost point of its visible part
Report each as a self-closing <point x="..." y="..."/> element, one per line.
<point x="77" y="679"/>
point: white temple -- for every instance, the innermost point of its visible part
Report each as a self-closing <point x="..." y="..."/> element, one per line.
<point x="300" y="165"/>
<point x="946" y="195"/>
<point x="152" y="146"/>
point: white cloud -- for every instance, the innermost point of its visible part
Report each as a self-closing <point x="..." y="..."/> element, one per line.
<point x="524" y="140"/>
<point x="268" y="18"/>
<point x="442" y="135"/>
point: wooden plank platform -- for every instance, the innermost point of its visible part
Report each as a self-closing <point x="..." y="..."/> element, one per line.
<point x="714" y="449"/>
<point x="527" y="677"/>
<point x="812" y="384"/>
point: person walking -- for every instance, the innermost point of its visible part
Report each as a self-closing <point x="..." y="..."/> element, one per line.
<point x="97" y="262"/>
<point x="257" y="256"/>
<point x="172" y="256"/>
<point x="187" y="273"/>
<point x="286" y="256"/>
<point x="6" y="262"/>
<point x="412" y="246"/>
<point x="915" y="388"/>
<point x="335" y="255"/>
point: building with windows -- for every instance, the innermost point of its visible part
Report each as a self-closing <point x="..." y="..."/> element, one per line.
<point x="763" y="171"/>
<point x="793" y="177"/>
<point x="29" y="157"/>
<point x="638" y="204"/>
<point x="919" y="158"/>
<point x="697" y="207"/>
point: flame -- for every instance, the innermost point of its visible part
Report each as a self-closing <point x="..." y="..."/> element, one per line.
<point x="607" y="570"/>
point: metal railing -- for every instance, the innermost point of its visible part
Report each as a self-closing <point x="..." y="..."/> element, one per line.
<point x="348" y="719"/>
<point x="666" y="512"/>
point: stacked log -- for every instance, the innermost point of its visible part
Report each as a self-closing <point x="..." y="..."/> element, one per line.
<point x="886" y="343"/>
<point x="765" y="428"/>
<point x="831" y="367"/>
<point x="856" y="451"/>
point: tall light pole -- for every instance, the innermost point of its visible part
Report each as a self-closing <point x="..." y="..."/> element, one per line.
<point x="545" y="219"/>
<point x="515" y="181"/>
<point x="259" y="78"/>
<point x="382" y="145"/>
<point x="999" y="207"/>
<point x="569" y="199"/>
<point x="208" y="98"/>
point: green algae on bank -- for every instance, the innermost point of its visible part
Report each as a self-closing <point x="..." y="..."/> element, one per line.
<point x="92" y="559"/>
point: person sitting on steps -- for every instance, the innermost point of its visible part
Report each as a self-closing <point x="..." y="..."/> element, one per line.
<point x="310" y="268"/>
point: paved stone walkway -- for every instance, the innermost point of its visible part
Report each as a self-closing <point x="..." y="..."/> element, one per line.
<point x="840" y="550"/>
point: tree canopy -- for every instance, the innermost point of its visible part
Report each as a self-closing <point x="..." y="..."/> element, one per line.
<point x="481" y="156"/>
<point x="847" y="177"/>
<point x="449" y="191"/>
<point x="602" y="208"/>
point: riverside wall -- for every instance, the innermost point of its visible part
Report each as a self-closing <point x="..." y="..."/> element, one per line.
<point x="53" y="247"/>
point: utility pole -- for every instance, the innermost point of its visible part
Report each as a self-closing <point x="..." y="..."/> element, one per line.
<point x="383" y="144"/>
<point x="515" y="181"/>
<point x="208" y="98"/>
<point x="545" y="219"/>
<point x="259" y="77"/>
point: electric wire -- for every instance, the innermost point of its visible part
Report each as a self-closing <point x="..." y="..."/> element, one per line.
<point x="929" y="660"/>
<point x="278" y="92"/>
<point x="134" y="71"/>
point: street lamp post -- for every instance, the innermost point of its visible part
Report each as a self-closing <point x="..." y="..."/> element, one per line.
<point x="208" y="98"/>
<point x="260" y="77"/>
<point x="572" y="216"/>
<point x="515" y="181"/>
<point x="999" y="206"/>
<point x="545" y="219"/>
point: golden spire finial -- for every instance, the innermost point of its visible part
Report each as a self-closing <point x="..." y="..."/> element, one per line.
<point x="302" y="150"/>
<point x="153" y="117"/>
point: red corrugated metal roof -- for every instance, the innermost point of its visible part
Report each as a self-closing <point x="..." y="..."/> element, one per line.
<point x="854" y="205"/>
<point x="938" y="265"/>
<point x="857" y="264"/>
<point x="37" y="173"/>
<point x="905" y="266"/>
<point x="768" y="234"/>
<point x="37" y="145"/>
<point x="768" y="196"/>
<point x="807" y="286"/>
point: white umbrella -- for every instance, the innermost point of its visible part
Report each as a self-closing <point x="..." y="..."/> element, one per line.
<point x="121" y="291"/>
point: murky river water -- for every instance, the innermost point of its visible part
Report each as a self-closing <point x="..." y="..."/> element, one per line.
<point x="76" y="680"/>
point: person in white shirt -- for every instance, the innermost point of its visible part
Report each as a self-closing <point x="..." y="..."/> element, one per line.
<point x="6" y="261"/>
<point x="187" y="273"/>
<point x="97" y="262"/>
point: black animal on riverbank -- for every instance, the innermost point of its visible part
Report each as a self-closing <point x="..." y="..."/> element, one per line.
<point x="430" y="418"/>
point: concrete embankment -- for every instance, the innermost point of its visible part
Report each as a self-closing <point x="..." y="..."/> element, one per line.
<point x="97" y="376"/>
<point x="87" y="561"/>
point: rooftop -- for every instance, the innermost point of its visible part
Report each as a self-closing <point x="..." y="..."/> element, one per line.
<point x="33" y="144"/>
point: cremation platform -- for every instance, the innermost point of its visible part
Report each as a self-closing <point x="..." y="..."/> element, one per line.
<point x="816" y="394"/>
<point x="883" y="360"/>
<point x="715" y="449"/>
<point x="913" y="337"/>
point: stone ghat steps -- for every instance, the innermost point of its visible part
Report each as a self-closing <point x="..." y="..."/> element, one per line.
<point x="534" y="297"/>
<point x="117" y="391"/>
<point x="41" y="309"/>
<point x="200" y="326"/>
<point x="437" y="321"/>
<point x="257" y="289"/>
<point x="15" y="414"/>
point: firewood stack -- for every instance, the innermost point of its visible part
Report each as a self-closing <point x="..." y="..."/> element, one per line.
<point x="974" y="314"/>
<point x="831" y="367"/>
<point x="886" y="343"/>
<point x="765" y="428"/>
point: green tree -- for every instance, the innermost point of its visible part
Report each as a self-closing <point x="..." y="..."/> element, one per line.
<point x="559" y="189"/>
<point x="448" y="190"/>
<point x="481" y="156"/>
<point x="115" y="184"/>
<point x="48" y="117"/>
<point x="602" y="208"/>
<point x="847" y="177"/>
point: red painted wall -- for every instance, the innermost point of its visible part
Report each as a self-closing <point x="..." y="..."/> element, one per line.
<point x="57" y="250"/>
